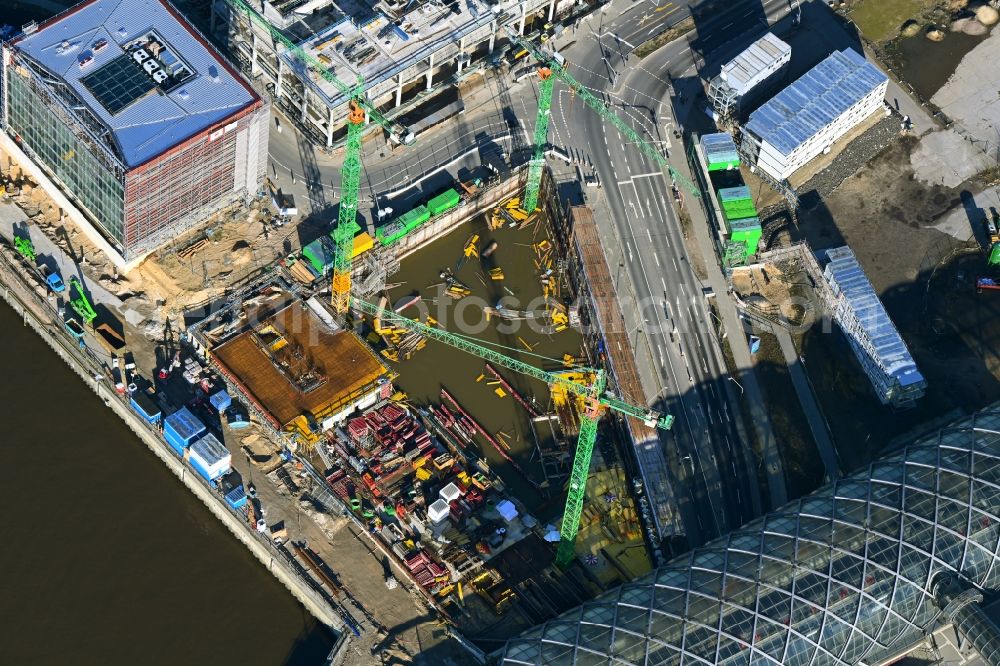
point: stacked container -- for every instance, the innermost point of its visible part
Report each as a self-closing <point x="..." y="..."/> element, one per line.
<point x="720" y="151"/>
<point x="740" y="215"/>
<point x="319" y="254"/>
<point x="220" y="401"/>
<point x="181" y="428"/>
<point x="145" y="407"/>
<point x="444" y="201"/>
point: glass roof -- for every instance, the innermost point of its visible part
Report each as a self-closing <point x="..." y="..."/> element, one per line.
<point x="118" y="84"/>
<point x="834" y="578"/>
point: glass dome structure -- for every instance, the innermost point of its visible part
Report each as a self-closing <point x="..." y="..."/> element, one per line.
<point x="837" y="577"/>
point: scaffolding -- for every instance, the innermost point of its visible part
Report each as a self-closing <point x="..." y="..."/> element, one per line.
<point x="876" y="343"/>
<point x="373" y="270"/>
<point x="597" y="290"/>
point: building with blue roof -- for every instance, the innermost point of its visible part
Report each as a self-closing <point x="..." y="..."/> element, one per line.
<point x="876" y="342"/>
<point x="811" y="114"/>
<point x="132" y="113"/>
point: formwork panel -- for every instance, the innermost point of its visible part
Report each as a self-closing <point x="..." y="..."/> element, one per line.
<point x="347" y="365"/>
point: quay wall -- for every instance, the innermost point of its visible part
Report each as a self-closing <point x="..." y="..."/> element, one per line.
<point x="19" y="296"/>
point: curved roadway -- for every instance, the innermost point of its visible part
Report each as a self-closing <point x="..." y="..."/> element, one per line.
<point x="662" y="298"/>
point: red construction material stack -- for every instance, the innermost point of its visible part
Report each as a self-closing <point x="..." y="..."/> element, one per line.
<point x="423" y="569"/>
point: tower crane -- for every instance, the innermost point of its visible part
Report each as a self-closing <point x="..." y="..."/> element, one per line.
<point x="551" y="67"/>
<point x="597" y="400"/>
<point x="361" y="110"/>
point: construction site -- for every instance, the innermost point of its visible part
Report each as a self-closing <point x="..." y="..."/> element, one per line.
<point x="897" y="171"/>
<point x="454" y="452"/>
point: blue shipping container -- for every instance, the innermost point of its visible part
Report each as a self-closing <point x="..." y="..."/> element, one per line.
<point x="145" y="407"/>
<point x="231" y="485"/>
<point x="221" y="401"/>
<point x="181" y="428"/>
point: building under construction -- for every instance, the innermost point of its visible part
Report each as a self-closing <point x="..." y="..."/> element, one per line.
<point x="298" y="372"/>
<point x="876" y="343"/>
<point x="743" y="78"/>
<point x="403" y="51"/>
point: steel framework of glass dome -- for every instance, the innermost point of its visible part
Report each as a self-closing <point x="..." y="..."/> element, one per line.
<point x="839" y="576"/>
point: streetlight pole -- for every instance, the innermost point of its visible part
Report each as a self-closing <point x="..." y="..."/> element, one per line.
<point x="733" y="380"/>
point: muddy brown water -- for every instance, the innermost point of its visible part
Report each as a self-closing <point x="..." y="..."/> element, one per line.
<point x="107" y="558"/>
<point x="927" y="65"/>
<point x="437" y="365"/>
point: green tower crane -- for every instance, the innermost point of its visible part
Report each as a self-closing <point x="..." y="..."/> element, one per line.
<point x="361" y="110"/>
<point x="553" y="66"/>
<point x="545" y="85"/>
<point x="596" y="400"/>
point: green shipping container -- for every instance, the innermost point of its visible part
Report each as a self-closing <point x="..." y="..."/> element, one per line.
<point x="995" y="254"/>
<point x="320" y="253"/>
<point x="443" y="202"/>
<point x="414" y="218"/>
<point x="746" y="231"/>
<point x="390" y="233"/>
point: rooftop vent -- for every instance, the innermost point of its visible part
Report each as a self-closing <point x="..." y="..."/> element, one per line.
<point x="29" y="28"/>
<point x="213" y="73"/>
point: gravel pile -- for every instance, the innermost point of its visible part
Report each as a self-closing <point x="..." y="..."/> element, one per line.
<point x="854" y="157"/>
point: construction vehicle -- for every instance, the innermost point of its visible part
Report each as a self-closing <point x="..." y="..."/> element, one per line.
<point x="81" y="304"/>
<point x="596" y="400"/>
<point x="52" y="279"/>
<point x="552" y="66"/>
<point x="361" y="110"/>
<point x="26" y="249"/>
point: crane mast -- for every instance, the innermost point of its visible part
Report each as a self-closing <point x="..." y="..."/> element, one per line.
<point x="347" y="214"/>
<point x="555" y="65"/>
<point x="545" y="85"/>
<point x="596" y="400"/>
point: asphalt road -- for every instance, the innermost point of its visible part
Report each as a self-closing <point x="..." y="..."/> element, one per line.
<point x="674" y="333"/>
<point x="718" y="488"/>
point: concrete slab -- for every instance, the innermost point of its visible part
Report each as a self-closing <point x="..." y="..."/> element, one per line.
<point x="947" y="158"/>
<point x="969" y="97"/>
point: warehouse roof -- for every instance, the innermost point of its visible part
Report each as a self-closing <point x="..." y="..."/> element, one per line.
<point x="847" y="277"/>
<point x="755" y="60"/>
<point x="813" y="101"/>
<point x="150" y="101"/>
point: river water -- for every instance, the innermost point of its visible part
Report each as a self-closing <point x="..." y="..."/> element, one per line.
<point x="107" y="558"/>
